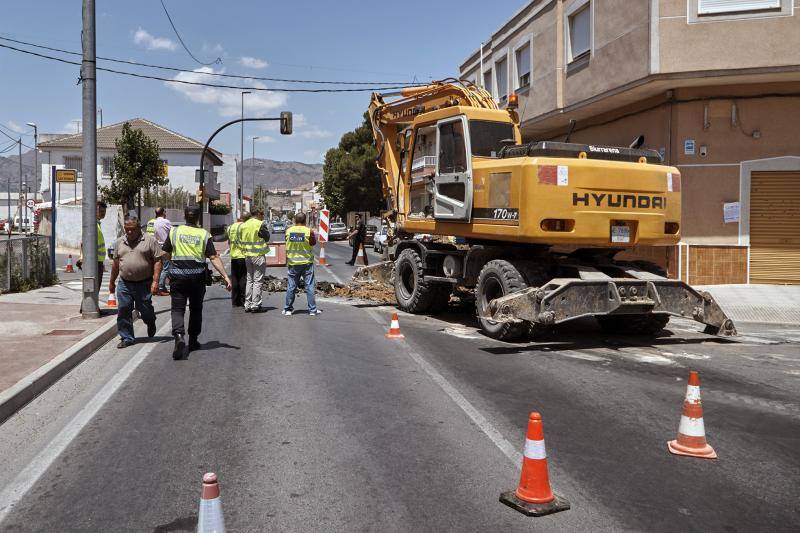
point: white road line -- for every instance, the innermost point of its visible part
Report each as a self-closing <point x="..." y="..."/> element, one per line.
<point x="17" y="488"/>
<point x="494" y="435"/>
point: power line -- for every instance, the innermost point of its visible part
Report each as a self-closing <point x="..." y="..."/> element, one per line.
<point x="9" y="136"/>
<point x="178" y="35"/>
<point x="200" y="83"/>
<point x="221" y="75"/>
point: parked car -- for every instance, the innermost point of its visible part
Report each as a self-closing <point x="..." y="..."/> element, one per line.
<point x="379" y="242"/>
<point x="423" y="237"/>
<point x="337" y="231"/>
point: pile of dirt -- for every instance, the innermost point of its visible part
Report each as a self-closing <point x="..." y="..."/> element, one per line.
<point x="374" y="292"/>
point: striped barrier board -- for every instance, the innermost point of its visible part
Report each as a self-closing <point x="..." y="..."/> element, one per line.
<point x="324" y="224"/>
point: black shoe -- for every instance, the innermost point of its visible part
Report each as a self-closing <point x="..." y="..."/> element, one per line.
<point x="247" y="310"/>
<point x="180" y="347"/>
<point x="258" y="309"/>
<point x="151" y="329"/>
<point x="125" y="343"/>
<point x="193" y="344"/>
<point x="349" y="263"/>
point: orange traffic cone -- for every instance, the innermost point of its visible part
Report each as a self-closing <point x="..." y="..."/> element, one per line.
<point x="210" y="518"/>
<point x="322" y="261"/>
<point x="360" y="256"/>
<point x="533" y="496"/>
<point x="394" y="329"/>
<point x="111" y="303"/>
<point x="69" y="268"/>
<point x="691" y="439"/>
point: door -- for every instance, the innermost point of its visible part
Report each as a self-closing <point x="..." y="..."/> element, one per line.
<point x="775" y="227"/>
<point x="452" y="184"/>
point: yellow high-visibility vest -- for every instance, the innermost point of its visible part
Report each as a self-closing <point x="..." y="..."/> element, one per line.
<point x="233" y="241"/>
<point x="251" y="244"/>
<point x="151" y="226"/>
<point x="298" y="246"/>
<point x="188" y="251"/>
<point x="101" y="244"/>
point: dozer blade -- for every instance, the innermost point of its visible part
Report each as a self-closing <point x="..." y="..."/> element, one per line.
<point x="382" y="272"/>
<point x="565" y="299"/>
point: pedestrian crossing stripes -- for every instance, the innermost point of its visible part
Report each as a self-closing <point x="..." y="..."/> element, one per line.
<point x="77" y="285"/>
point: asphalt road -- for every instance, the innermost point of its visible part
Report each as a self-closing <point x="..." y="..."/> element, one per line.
<point x="320" y="423"/>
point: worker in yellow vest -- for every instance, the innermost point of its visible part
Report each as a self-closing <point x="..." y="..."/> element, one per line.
<point x="238" y="263"/>
<point x="188" y="247"/>
<point x="253" y="237"/>
<point x="300" y="240"/>
<point x="151" y="227"/>
<point x="101" y="247"/>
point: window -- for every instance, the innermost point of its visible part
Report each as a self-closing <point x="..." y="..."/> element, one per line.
<point x="487" y="81"/>
<point x="523" y="62"/>
<point x="714" y="7"/>
<point x="108" y="165"/>
<point x="485" y="137"/>
<point x="73" y="162"/>
<point x="452" y="149"/>
<point x="501" y="71"/>
<point x="580" y="32"/>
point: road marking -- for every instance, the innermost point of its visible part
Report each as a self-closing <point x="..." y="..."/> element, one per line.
<point x="580" y="355"/>
<point x="26" y="479"/>
<point x="494" y="435"/>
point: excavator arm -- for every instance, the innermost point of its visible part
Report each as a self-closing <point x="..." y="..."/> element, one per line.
<point x="389" y="120"/>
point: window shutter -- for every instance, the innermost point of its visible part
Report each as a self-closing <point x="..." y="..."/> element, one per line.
<point x="713" y="7"/>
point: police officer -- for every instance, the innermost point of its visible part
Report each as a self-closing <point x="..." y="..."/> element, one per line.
<point x="300" y="261"/>
<point x="159" y="227"/>
<point x="238" y="266"/>
<point x="188" y="246"/>
<point x="253" y="237"/>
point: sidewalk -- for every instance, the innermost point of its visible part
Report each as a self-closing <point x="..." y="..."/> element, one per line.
<point x="44" y="337"/>
<point x="765" y="304"/>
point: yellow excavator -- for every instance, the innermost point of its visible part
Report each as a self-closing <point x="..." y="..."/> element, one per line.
<point x="534" y="227"/>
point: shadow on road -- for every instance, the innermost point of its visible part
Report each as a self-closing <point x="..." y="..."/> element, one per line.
<point x="187" y="523"/>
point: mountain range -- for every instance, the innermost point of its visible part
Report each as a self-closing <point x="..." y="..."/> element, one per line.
<point x="268" y="173"/>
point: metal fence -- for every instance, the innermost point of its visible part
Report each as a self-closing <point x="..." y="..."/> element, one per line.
<point x="24" y="263"/>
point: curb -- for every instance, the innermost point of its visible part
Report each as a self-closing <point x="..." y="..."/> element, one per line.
<point x="26" y="389"/>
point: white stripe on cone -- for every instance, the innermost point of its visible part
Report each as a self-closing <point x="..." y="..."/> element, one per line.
<point x="394" y="325"/>
<point x="211" y="519"/>
<point x="691" y="427"/>
<point x="692" y="393"/>
<point x="534" y="449"/>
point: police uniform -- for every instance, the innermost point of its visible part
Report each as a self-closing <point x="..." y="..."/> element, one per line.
<point x="238" y="266"/>
<point x="189" y="247"/>
<point x="300" y="263"/>
<point x="254" y="248"/>
<point x="151" y="227"/>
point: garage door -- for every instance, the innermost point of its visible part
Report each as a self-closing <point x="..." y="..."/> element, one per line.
<point x="775" y="227"/>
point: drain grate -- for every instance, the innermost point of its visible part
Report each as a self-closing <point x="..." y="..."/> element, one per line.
<point x="66" y="332"/>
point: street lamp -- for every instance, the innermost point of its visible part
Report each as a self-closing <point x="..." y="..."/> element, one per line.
<point x="35" y="157"/>
<point x="240" y="180"/>
<point x="254" y="169"/>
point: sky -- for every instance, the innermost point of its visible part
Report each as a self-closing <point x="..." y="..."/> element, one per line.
<point x="343" y="40"/>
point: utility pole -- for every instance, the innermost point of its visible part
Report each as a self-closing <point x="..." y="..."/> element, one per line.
<point x="36" y="185"/>
<point x="89" y="304"/>
<point x="254" y="165"/>
<point x="240" y="181"/>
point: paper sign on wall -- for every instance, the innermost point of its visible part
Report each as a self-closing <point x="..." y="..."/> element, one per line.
<point x="688" y="147"/>
<point x="730" y="212"/>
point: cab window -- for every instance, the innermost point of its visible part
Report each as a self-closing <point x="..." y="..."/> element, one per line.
<point x="452" y="148"/>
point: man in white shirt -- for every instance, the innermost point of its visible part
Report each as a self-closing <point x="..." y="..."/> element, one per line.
<point x="162" y="228"/>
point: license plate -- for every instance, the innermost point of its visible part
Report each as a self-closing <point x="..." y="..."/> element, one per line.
<point x="620" y="234"/>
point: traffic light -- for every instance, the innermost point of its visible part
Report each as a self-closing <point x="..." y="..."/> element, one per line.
<point x="200" y="196"/>
<point x="286" y="122"/>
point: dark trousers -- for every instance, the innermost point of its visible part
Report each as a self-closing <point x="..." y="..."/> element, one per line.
<point x="192" y="291"/>
<point x="130" y="295"/>
<point x="356" y="245"/>
<point x="238" y="281"/>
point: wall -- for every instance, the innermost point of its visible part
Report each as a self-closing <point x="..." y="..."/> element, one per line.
<point x="69" y="227"/>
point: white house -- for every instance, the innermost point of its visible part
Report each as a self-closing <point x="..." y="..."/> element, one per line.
<point x="181" y="155"/>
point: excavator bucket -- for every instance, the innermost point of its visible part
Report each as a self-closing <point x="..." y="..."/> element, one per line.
<point x="382" y="272"/>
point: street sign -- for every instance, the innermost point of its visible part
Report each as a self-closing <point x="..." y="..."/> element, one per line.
<point x="30" y="204"/>
<point x="211" y="177"/>
<point x="67" y="176"/>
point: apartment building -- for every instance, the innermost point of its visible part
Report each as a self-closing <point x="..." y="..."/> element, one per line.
<point x="714" y="85"/>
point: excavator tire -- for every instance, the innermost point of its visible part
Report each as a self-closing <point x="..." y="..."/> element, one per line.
<point x="412" y="293"/>
<point x="646" y="325"/>
<point x="498" y="278"/>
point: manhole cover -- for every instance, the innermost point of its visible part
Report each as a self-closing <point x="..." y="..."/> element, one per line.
<point x="66" y="332"/>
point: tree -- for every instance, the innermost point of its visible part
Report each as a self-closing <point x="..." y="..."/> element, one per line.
<point x="350" y="179"/>
<point x="136" y="166"/>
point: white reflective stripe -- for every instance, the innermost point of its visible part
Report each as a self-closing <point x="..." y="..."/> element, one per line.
<point x="534" y="449"/>
<point x="692" y="427"/>
<point x="395" y="324"/>
<point x="692" y="393"/>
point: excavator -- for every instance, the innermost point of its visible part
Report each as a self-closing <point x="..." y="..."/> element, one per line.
<point x="534" y="228"/>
